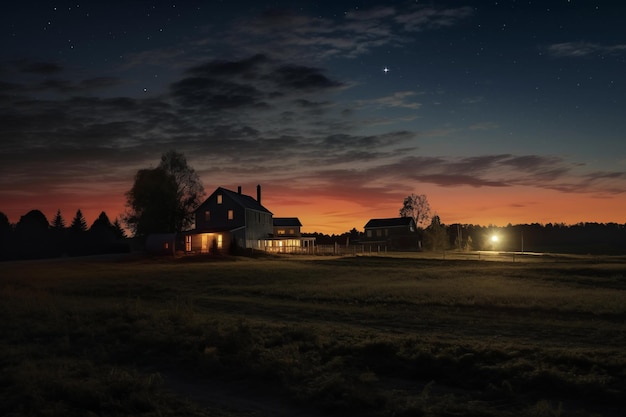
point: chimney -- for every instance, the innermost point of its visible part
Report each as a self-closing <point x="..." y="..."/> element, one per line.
<point x="239" y="189"/>
<point x="258" y="194"/>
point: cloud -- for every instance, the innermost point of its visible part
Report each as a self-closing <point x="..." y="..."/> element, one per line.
<point x="398" y="99"/>
<point x="247" y="83"/>
<point x="39" y="67"/>
<point x="429" y="18"/>
<point x="583" y="49"/>
<point x="284" y="33"/>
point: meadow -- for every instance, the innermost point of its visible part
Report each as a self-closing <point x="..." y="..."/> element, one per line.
<point x="392" y="335"/>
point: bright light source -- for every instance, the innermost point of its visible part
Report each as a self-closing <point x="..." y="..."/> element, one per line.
<point x="494" y="238"/>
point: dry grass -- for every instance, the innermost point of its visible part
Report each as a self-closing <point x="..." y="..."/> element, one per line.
<point x="373" y="335"/>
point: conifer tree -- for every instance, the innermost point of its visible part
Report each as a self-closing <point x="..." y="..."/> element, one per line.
<point x="79" y="224"/>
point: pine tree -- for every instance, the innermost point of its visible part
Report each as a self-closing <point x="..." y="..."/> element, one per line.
<point x="118" y="230"/>
<point x="58" y="235"/>
<point x="77" y="239"/>
<point x="58" y="223"/>
<point x="79" y="224"/>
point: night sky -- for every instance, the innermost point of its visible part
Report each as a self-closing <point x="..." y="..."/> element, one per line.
<point x="499" y="111"/>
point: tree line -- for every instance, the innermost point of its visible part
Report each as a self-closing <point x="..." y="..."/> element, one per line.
<point x="580" y="238"/>
<point x="34" y="237"/>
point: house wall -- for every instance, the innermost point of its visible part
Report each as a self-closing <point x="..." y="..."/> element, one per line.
<point x="259" y="225"/>
<point x="218" y="213"/>
<point x="393" y="237"/>
<point x="204" y="242"/>
<point x="289" y="231"/>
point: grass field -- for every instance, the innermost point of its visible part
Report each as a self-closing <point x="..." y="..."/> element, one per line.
<point x="312" y="336"/>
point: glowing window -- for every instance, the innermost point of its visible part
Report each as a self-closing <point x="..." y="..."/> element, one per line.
<point x="219" y="241"/>
<point x="219" y="199"/>
<point x="280" y="231"/>
<point x="231" y="214"/>
<point x="188" y="243"/>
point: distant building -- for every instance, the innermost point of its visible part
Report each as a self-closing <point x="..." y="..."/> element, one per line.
<point x="397" y="233"/>
<point x="287" y="237"/>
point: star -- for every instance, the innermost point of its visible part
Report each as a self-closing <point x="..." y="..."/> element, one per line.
<point x="386" y="70"/>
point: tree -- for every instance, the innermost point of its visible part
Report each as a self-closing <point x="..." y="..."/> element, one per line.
<point x="101" y="235"/>
<point x="435" y="235"/>
<point x="152" y="203"/>
<point x="77" y="236"/>
<point x="58" y="234"/>
<point x="163" y="199"/>
<point x="118" y="230"/>
<point x="417" y="207"/>
<point x="79" y="224"/>
<point x="6" y="237"/>
<point x="59" y="222"/>
<point x="189" y="188"/>
<point x="33" y="235"/>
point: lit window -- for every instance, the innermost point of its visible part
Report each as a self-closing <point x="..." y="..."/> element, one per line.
<point x="167" y="245"/>
<point x="280" y="231"/>
<point x="219" y="241"/>
<point x="207" y="216"/>
<point x="219" y="199"/>
<point x="230" y="214"/>
<point x="188" y="243"/>
<point x="291" y="232"/>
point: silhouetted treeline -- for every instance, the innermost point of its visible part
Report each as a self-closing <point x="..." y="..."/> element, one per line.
<point x="581" y="238"/>
<point x="33" y="237"/>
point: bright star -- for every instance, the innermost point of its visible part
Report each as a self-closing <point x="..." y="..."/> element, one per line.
<point x="386" y="70"/>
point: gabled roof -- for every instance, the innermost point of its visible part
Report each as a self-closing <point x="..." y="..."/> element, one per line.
<point x="287" y="222"/>
<point x="243" y="200"/>
<point x="390" y="222"/>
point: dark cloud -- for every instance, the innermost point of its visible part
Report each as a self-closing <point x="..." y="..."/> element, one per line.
<point x="426" y="18"/>
<point x="302" y="78"/>
<point x="40" y="68"/>
<point x="287" y="34"/>
<point x="247" y="67"/>
<point x="451" y="180"/>
<point x="584" y="49"/>
<point x="251" y="82"/>
<point x="213" y="94"/>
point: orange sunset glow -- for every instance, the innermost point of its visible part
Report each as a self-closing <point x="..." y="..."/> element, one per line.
<point x="330" y="213"/>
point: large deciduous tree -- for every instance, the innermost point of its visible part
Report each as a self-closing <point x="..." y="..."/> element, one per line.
<point x="163" y="199"/>
<point x="416" y="207"/>
<point x="189" y="189"/>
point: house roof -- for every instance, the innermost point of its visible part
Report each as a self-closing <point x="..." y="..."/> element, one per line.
<point x="390" y="222"/>
<point x="287" y="221"/>
<point x="243" y="200"/>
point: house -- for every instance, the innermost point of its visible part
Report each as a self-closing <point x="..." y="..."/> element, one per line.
<point x="397" y="233"/>
<point x="287" y="238"/>
<point x="287" y="227"/>
<point x="228" y="219"/>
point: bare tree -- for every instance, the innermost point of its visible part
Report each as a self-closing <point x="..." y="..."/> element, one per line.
<point x="416" y="207"/>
